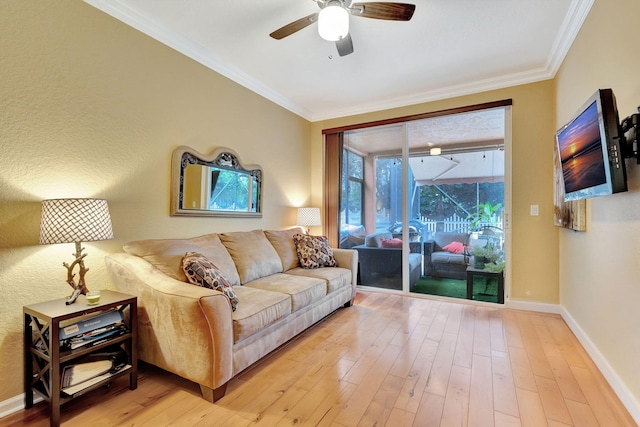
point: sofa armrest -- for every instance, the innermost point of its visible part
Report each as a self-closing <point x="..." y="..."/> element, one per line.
<point x="174" y="316"/>
<point x="429" y="248"/>
<point x="348" y="258"/>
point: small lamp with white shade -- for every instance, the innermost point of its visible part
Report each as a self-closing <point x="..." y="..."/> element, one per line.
<point x="309" y="217"/>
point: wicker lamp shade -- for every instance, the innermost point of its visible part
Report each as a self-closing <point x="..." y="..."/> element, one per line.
<point x="75" y="220"/>
<point x="309" y="217"/>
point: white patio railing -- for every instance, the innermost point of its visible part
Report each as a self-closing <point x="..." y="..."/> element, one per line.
<point x="454" y="223"/>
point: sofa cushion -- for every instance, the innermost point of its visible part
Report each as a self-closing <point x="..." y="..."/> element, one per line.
<point x="166" y="255"/>
<point x="303" y="291"/>
<point x="314" y="251"/>
<point x="202" y="272"/>
<point x="375" y="240"/>
<point x="282" y="241"/>
<point x="448" y="257"/>
<point x="394" y="243"/>
<point x="258" y="310"/>
<point x="336" y="278"/>
<point x="252" y="253"/>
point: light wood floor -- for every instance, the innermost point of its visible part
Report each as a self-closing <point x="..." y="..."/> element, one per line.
<point x="388" y="360"/>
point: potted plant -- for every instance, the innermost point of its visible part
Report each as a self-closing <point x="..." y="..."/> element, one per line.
<point x="483" y="255"/>
<point x="485" y="214"/>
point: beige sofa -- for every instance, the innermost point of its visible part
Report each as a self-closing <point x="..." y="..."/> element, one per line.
<point x="193" y="332"/>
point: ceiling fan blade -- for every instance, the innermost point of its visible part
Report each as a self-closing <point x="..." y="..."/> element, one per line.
<point x="384" y="10"/>
<point x="291" y="28"/>
<point x="345" y="46"/>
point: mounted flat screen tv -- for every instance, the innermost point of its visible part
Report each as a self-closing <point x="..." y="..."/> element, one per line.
<point x="590" y="150"/>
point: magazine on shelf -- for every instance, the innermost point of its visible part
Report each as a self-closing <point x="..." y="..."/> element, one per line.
<point x="71" y="390"/>
<point x="76" y="374"/>
<point x="94" y="337"/>
<point x="109" y="360"/>
<point x="91" y="323"/>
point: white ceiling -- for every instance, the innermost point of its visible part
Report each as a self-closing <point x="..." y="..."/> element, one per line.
<point x="472" y="145"/>
<point x="449" y="48"/>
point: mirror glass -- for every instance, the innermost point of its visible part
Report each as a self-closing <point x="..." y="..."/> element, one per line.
<point x="214" y="185"/>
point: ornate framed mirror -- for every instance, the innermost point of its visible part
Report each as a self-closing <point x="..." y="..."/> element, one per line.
<point x="217" y="184"/>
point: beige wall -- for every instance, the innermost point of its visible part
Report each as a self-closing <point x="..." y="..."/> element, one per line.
<point x="92" y="108"/>
<point x="600" y="269"/>
<point x="534" y="260"/>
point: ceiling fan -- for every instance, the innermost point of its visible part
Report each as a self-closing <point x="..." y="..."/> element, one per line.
<point x="333" y="19"/>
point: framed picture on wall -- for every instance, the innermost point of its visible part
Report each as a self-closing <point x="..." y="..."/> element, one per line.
<point x="571" y="215"/>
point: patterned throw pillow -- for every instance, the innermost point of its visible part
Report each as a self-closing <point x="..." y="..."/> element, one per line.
<point x="314" y="251"/>
<point x="202" y="272"/>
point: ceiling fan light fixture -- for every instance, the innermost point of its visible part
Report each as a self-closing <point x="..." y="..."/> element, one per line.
<point x="333" y="22"/>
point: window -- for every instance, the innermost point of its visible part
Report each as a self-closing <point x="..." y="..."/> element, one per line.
<point x="351" y="204"/>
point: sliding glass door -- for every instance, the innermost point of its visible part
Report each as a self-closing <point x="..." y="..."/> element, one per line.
<point x="423" y="202"/>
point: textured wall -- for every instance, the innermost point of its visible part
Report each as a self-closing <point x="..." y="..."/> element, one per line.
<point x="92" y="108"/>
<point x="599" y="269"/>
<point x="534" y="250"/>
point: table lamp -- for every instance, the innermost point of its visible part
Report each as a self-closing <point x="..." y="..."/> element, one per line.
<point x="75" y="220"/>
<point x="309" y="217"/>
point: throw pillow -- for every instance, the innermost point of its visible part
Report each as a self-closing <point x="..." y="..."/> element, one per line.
<point x="395" y="243"/>
<point x="202" y="272"/>
<point x="454" y="247"/>
<point x="314" y="251"/>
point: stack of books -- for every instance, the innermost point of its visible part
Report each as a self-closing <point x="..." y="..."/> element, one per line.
<point x="92" y="369"/>
<point x="89" y="332"/>
<point x="94" y="330"/>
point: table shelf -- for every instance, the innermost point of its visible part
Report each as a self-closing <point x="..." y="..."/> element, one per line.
<point x="44" y="358"/>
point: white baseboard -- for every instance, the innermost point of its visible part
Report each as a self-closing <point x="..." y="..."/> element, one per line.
<point x="541" y="307"/>
<point x="15" y="404"/>
<point x="621" y="390"/>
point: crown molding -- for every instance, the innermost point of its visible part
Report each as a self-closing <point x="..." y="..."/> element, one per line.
<point x="577" y="13"/>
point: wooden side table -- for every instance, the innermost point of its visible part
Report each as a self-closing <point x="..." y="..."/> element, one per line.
<point x="43" y="357"/>
<point x="471" y="272"/>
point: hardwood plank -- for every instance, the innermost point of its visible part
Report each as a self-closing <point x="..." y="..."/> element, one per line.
<point x="454" y="319"/>
<point x="410" y="349"/>
<point x="481" y="393"/>
<point x="498" y="335"/>
<point x="511" y="329"/>
<point x="430" y="411"/>
<point x="552" y="400"/>
<point x="537" y="358"/>
<point x="456" y="403"/>
<point x="400" y="418"/>
<point x="439" y="377"/>
<point x="531" y="410"/>
<point x="439" y="322"/>
<point x="321" y="404"/>
<point x="505" y="420"/>
<point x="379" y="410"/>
<point x="565" y="341"/>
<point x="504" y="390"/>
<point x="599" y="396"/>
<point x="375" y="364"/>
<point x="562" y="373"/>
<point x="356" y="406"/>
<point x="581" y="414"/>
<point x="464" y="347"/>
<point x="482" y="333"/>
<point x="522" y="373"/>
<point x="411" y="394"/>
